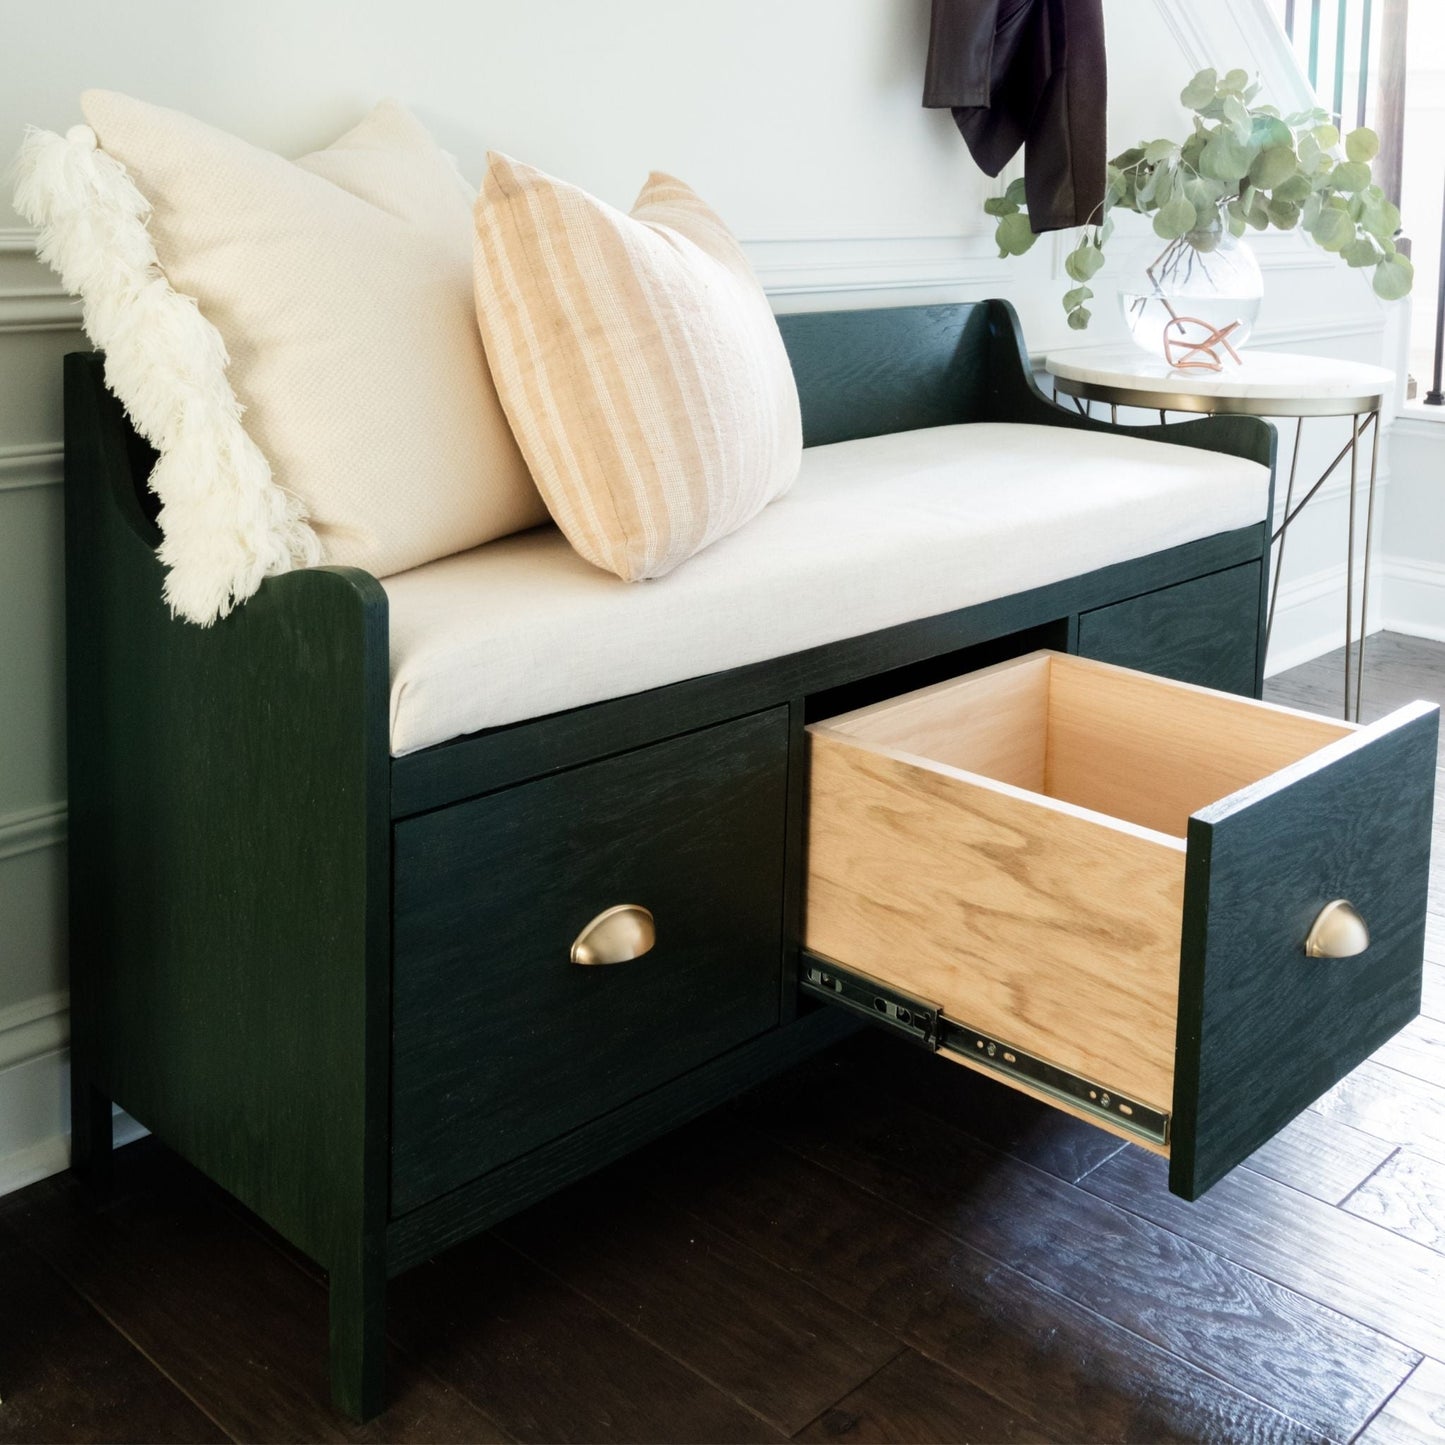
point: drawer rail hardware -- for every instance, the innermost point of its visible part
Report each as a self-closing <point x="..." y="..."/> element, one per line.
<point x="924" y="1023"/>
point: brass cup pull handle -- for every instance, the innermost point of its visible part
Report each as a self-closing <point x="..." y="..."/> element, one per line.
<point x="616" y="935"/>
<point x="1338" y="932"/>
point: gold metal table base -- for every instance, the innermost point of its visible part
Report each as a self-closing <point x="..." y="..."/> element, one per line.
<point x="1364" y="415"/>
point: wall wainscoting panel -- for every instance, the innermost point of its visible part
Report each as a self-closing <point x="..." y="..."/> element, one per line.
<point x="38" y="1026"/>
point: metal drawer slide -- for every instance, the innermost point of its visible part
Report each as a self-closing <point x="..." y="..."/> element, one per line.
<point x="924" y="1023"/>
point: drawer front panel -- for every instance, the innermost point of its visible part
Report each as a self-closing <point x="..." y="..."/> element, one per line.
<point x="500" y="1042"/>
<point x="1099" y="886"/>
<point x="1264" y="1030"/>
<point x="1205" y="631"/>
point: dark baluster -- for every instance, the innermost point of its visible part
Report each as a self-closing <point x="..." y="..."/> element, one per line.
<point x="1315" y="44"/>
<point x="1289" y="18"/>
<point x="1435" y="396"/>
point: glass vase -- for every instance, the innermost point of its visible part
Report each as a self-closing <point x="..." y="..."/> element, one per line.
<point x="1193" y="301"/>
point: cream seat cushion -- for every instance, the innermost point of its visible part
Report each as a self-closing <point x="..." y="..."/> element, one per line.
<point x="874" y="533"/>
<point x="341" y="284"/>
<point x="639" y="362"/>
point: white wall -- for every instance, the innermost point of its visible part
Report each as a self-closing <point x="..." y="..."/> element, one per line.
<point x="800" y="121"/>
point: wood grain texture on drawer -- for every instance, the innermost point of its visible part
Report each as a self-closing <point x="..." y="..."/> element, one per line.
<point x="1105" y="887"/>
<point x="501" y="1042"/>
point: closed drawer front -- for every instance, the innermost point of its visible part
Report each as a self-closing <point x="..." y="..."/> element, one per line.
<point x="1099" y="886"/>
<point x="1204" y="631"/>
<point x="501" y="1042"/>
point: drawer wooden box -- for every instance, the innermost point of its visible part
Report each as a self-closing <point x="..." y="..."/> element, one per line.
<point x="1099" y="884"/>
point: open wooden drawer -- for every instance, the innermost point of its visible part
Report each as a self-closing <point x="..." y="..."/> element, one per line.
<point x="1099" y="886"/>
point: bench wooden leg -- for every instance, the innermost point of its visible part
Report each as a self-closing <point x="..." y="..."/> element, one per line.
<point x="358" y="1334"/>
<point x="92" y="1136"/>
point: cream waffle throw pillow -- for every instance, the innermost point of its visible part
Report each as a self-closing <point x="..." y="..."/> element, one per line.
<point x="639" y="363"/>
<point x="339" y="285"/>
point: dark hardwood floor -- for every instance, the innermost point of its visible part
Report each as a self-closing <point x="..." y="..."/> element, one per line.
<point x="877" y="1246"/>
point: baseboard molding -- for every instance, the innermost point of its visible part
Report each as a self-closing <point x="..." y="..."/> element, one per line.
<point x="1415" y="597"/>
<point x="1406" y="595"/>
<point x="35" y="1120"/>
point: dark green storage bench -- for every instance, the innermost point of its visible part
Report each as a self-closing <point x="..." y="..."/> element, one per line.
<point x="339" y="984"/>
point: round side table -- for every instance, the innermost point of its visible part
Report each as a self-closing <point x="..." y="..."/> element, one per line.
<point x="1269" y="384"/>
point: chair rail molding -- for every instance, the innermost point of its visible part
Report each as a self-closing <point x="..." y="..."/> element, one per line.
<point x="40" y="464"/>
<point x="31" y="829"/>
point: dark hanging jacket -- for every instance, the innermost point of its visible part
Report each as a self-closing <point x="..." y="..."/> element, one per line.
<point x="1027" y="73"/>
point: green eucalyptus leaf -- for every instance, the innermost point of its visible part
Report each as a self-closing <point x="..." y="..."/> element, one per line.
<point x="1328" y="136"/>
<point x="1225" y="158"/>
<point x="1158" y="150"/>
<point x="1333" y="230"/>
<point x="1080" y="318"/>
<point x="1350" y="176"/>
<point x="1083" y="262"/>
<point x="1295" y="187"/>
<point x="1258" y="214"/>
<point x="1310" y="211"/>
<point x="1273" y="167"/>
<point x="1238" y="118"/>
<point x="999" y="206"/>
<point x="1017" y="192"/>
<point x="1362" y="251"/>
<point x="1267" y="131"/>
<point x="1284" y="215"/>
<point x="1200" y="91"/>
<point x="1076" y="297"/>
<point x="1309" y="150"/>
<point x="1014" y="235"/>
<point x="1393" y="278"/>
<point x="1175" y="219"/>
<point x="1362" y="144"/>
<point x="1234" y="81"/>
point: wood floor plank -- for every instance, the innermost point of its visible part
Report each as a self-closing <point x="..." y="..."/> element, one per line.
<point x="1396" y="1107"/>
<point x="1389" y="1284"/>
<point x="770" y="1340"/>
<point x="547" y="1363"/>
<point x="66" y="1374"/>
<point x="1082" y="1377"/>
<point x="1418" y="1049"/>
<point x="1432" y="1001"/>
<point x="989" y="1111"/>
<point x="1415" y="1413"/>
<point x="1406" y="1195"/>
<point x="1320" y="1157"/>
<point x="1184" y="1297"/>
<point x="224" y="1315"/>
<point x="911" y="1401"/>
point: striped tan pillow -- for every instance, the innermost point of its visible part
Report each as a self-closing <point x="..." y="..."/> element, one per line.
<point x="638" y="362"/>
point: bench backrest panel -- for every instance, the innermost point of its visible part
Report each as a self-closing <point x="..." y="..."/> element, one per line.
<point x="891" y="369"/>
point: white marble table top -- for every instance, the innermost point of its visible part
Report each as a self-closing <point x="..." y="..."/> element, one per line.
<point x="1262" y="377"/>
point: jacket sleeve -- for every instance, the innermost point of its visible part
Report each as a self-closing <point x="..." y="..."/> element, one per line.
<point x="960" y="52"/>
